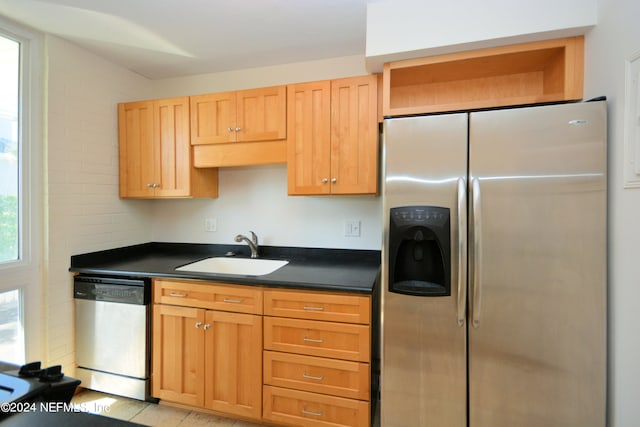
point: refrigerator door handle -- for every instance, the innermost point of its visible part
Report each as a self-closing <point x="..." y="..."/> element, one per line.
<point x="462" y="251"/>
<point x="476" y="283"/>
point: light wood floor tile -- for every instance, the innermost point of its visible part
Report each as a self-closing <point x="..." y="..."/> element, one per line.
<point x="108" y="405"/>
<point x="197" y="419"/>
<point x="161" y="416"/>
<point x="150" y="414"/>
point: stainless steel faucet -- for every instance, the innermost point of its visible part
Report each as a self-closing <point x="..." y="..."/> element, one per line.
<point x="253" y="243"/>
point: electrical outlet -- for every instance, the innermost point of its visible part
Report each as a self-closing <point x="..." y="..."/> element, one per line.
<point x="210" y="224"/>
<point x="352" y="228"/>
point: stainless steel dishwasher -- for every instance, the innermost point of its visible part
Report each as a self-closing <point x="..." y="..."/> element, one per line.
<point x="113" y="334"/>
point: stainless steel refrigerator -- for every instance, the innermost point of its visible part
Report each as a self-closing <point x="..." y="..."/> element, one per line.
<point x="494" y="268"/>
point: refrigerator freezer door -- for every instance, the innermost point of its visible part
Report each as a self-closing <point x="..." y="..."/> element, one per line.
<point x="537" y="354"/>
<point x="423" y="370"/>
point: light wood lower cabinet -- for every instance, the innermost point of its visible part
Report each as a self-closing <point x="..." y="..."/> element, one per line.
<point x="326" y="339"/>
<point x="317" y="358"/>
<point x="233" y="363"/>
<point x="207" y="358"/>
<point x="306" y="362"/>
<point x="303" y="409"/>
<point x="178" y="354"/>
<point x="317" y="374"/>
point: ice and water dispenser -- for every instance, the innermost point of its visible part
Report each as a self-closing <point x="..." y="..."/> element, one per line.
<point x="420" y="251"/>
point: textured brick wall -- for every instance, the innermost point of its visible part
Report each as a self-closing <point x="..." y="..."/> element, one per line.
<point x="83" y="211"/>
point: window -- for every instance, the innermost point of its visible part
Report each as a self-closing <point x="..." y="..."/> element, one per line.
<point x="11" y="336"/>
<point x="21" y="207"/>
<point x="9" y="89"/>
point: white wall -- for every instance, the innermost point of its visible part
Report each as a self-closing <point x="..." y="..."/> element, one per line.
<point x="83" y="211"/>
<point x="259" y="77"/>
<point x="255" y="198"/>
<point x="614" y="40"/>
<point x="402" y="29"/>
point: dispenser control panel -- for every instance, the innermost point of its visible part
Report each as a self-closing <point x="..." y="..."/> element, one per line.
<point x="416" y="215"/>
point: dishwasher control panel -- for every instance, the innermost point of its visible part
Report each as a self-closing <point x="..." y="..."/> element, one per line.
<point x="126" y="291"/>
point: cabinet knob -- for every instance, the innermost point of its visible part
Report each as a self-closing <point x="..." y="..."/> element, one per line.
<point x="230" y="129"/>
<point x="334" y="180"/>
<point x="198" y="324"/>
<point x="325" y="180"/>
<point x="238" y="129"/>
<point x="207" y="326"/>
<point x="149" y="185"/>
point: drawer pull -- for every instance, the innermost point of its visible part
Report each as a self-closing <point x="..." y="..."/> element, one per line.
<point x="313" y="340"/>
<point x="177" y="294"/>
<point x="232" y="301"/>
<point x="313" y="308"/>
<point x="315" y="414"/>
<point x="311" y="377"/>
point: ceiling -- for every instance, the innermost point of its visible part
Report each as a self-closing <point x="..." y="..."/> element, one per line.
<point x="170" y="38"/>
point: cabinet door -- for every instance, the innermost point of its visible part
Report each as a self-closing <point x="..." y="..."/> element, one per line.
<point x="173" y="157"/>
<point x="354" y="135"/>
<point x="136" y="149"/>
<point x="261" y="114"/>
<point x="178" y="354"/>
<point x="309" y="140"/>
<point x="213" y="118"/>
<point x="234" y="363"/>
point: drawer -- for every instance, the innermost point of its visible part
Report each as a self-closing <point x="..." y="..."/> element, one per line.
<point x="300" y="408"/>
<point x="315" y="374"/>
<point x="324" y="339"/>
<point x="215" y="296"/>
<point x="333" y="307"/>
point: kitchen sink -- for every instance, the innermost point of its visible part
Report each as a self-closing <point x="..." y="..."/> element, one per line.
<point x="242" y="266"/>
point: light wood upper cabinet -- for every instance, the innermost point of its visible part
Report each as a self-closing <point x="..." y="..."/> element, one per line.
<point x="333" y="137"/>
<point x="155" y="152"/>
<point x="519" y="74"/>
<point x="309" y="142"/>
<point x="213" y="118"/>
<point x="354" y="135"/>
<point x="243" y="116"/>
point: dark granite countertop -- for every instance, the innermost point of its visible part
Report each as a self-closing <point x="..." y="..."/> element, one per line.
<point x="347" y="270"/>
